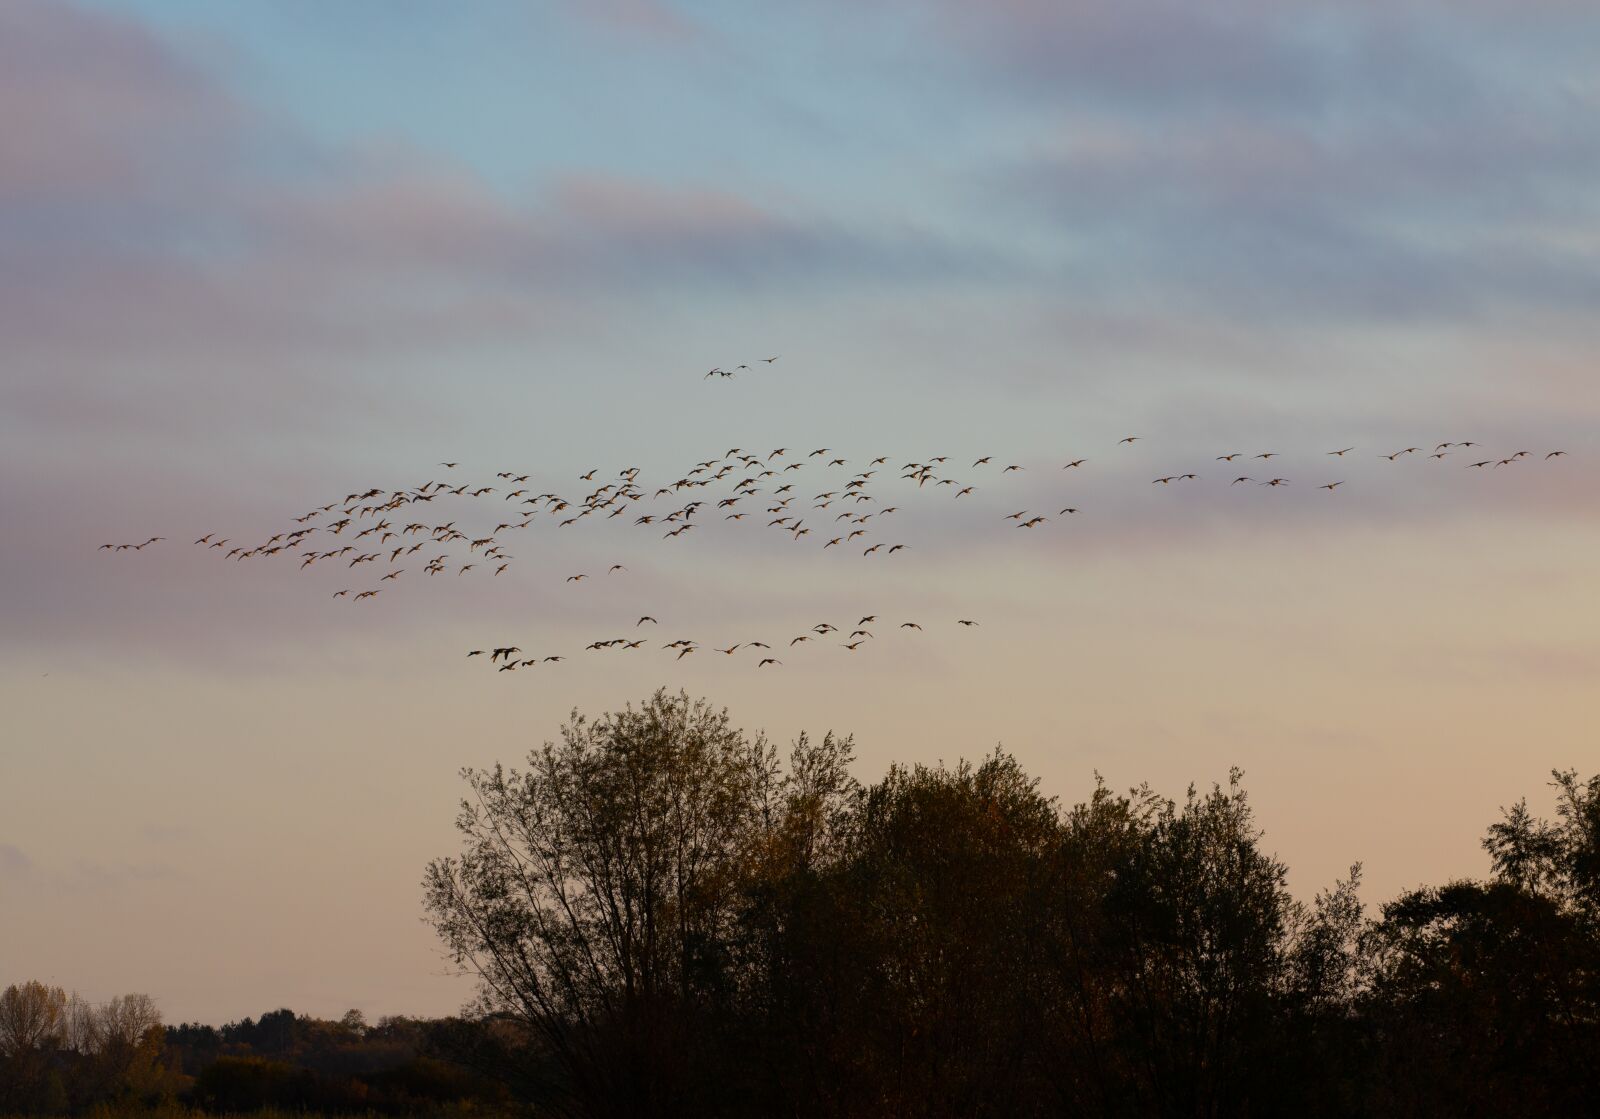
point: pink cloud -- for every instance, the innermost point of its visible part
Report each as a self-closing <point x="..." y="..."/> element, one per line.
<point x="652" y="18"/>
<point x="92" y="102"/>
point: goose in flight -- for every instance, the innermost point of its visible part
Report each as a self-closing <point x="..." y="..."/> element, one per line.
<point x="1128" y="439"/>
<point x="1342" y="453"/>
<point x="1330" y="485"/>
<point x="965" y="622"/>
<point x="768" y="660"/>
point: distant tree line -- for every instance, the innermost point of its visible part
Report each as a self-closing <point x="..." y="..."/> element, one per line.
<point x="61" y="1056"/>
<point x="59" y="1052"/>
<point x="669" y="920"/>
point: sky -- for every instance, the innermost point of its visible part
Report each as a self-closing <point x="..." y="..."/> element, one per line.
<point x="256" y="256"/>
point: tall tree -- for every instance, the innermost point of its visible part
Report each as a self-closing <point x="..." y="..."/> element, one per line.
<point x="599" y="893"/>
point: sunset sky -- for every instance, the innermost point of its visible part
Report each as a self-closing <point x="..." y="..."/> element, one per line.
<point x="258" y="255"/>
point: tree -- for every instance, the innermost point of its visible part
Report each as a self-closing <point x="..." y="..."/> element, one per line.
<point x="1171" y="951"/>
<point x="1484" y="997"/>
<point x="925" y="965"/>
<point x="1559" y="859"/>
<point x="599" y="893"/>
<point x="32" y="1019"/>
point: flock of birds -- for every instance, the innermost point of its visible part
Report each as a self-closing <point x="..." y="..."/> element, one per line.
<point x="684" y="645"/>
<point x="391" y="530"/>
<point x="718" y="371"/>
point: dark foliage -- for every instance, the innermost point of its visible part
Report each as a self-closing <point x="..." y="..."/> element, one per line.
<point x="682" y="926"/>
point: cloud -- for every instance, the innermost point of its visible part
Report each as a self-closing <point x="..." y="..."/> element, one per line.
<point x="80" y="875"/>
<point x="653" y="19"/>
<point x="1407" y="162"/>
<point x="14" y="862"/>
<point x="1275" y="218"/>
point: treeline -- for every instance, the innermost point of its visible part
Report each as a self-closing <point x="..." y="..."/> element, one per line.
<point x="59" y="1055"/>
<point x="667" y="921"/>
<point x="59" y="1051"/>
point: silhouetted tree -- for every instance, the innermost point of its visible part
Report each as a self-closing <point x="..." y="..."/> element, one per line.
<point x="1484" y="997"/>
<point x="599" y="893"/>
